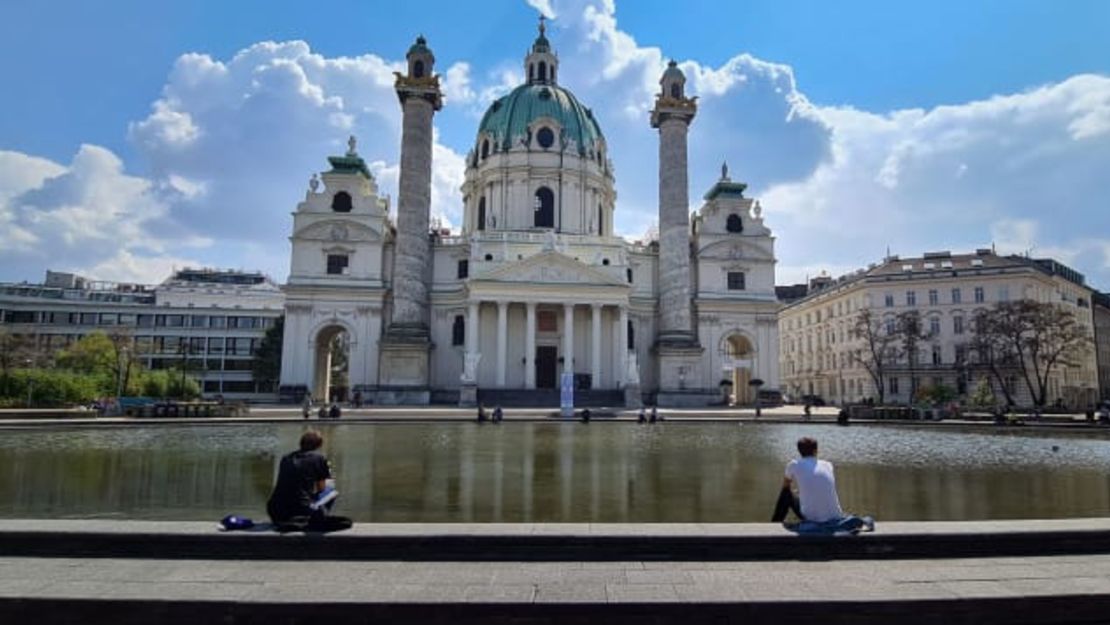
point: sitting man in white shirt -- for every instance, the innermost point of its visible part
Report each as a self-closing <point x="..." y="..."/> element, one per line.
<point x="820" y="506"/>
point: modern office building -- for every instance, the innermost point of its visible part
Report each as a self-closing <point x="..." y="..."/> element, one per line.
<point x="820" y="355"/>
<point x="208" y="322"/>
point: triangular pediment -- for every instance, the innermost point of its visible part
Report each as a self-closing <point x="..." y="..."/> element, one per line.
<point x="549" y="268"/>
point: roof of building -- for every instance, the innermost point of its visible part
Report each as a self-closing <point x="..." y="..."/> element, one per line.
<point x="510" y="117"/>
<point x="942" y="264"/>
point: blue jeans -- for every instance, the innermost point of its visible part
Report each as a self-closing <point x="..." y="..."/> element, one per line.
<point x="847" y="524"/>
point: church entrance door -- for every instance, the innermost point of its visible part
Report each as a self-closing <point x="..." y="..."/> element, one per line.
<point x="546" y="356"/>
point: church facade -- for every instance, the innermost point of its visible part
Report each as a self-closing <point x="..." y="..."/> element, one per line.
<point x="536" y="284"/>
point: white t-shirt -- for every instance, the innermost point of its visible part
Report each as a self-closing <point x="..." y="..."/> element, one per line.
<point x="816" y="488"/>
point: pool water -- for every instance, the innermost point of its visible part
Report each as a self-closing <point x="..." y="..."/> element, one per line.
<point x="552" y="472"/>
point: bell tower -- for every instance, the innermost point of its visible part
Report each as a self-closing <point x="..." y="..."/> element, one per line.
<point x="541" y="66"/>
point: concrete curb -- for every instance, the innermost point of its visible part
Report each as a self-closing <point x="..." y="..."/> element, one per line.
<point x="554" y="542"/>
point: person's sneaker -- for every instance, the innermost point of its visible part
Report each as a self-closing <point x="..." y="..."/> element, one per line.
<point x="868" y="524"/>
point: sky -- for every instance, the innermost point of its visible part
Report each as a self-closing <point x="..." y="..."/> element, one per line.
<point x="137" y="136"/>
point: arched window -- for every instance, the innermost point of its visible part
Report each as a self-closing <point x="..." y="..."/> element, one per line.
<point x="531" y="73"/>
<point x="543" y="71"/>
<point x="545" y="137"/>
<point x="544" y="208"/>
<point x="418" y="69"/>
<point x="485" y="149"/>
<point x="482" y="213"/>
<point x="341" y="202"/>
<point x="631" y="335"/>
<point x="458" y="331"/>
<point x="734" y="224"/>
<point x="676" y="90"/>
<point x="600" y="221"/>
<point x="628" y="272"/>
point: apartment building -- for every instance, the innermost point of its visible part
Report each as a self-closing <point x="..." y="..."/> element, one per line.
<point x="820" y="354"/>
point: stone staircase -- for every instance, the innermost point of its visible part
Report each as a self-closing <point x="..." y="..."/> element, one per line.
<point x="549" y="398"/>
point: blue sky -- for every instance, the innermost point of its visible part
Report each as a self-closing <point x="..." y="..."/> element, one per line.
<point x="860" y="125"/>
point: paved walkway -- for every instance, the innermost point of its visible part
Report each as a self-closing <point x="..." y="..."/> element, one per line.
<point x="143" y="588"/>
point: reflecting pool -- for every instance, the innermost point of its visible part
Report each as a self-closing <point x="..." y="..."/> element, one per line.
<point x="552" y="472"/>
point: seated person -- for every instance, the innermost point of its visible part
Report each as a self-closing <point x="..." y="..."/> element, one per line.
<point x="302" y="498"/>
<point x="819" y="503"/>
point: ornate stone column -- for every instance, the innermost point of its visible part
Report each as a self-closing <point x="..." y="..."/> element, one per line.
<point x="530" y="345"/>
<point x="595" y="344"/>
<point x="502" y="340"/>
<point x="405" y="366"/>
<point x="676" y="345"/>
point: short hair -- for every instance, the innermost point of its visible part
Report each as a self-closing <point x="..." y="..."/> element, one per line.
<point x="807" y="446"/>
<point x="311" y="440"/>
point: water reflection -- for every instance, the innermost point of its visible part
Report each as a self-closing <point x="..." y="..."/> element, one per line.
<point x="553" y="472"/>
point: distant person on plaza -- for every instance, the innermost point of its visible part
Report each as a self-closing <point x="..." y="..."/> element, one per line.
<point x="306" y="405"/>
<point x="304" y="492"/>
<point x="807" y="409"/>
<point x="818" y="501"/>
<point x="335" y="411"/>
<point x="358" y="399"/>
<point x="498" y="415"/>
<point x="481" y="413"/>
<point x="642" y="417"/>
<point x="654" y="414"/>
<point x="323" y="412"/>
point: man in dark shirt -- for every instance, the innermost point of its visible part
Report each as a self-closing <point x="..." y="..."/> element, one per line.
<point x="302" y="476"/>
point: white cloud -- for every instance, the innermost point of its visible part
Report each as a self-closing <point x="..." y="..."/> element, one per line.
<point x="456" y="85"/>
<point x="543" y="6"/>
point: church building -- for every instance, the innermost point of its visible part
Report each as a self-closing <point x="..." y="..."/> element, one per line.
<point x="536" y="284"/>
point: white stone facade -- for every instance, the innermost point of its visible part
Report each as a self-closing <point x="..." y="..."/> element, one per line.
<point x="535" y="284"/>
<point x="947" y="289"/>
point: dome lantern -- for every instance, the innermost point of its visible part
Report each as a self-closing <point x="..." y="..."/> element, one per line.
<point x="541" y="65"/>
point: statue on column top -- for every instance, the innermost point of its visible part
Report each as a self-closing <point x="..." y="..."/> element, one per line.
<point x="313" y="183"/>
<point x="351" y="143"/>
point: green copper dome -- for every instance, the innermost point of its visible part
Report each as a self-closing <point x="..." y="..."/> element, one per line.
<point x="508" y="119"/>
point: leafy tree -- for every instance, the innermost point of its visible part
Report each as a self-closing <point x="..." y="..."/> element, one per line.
<point x="15" y="351"/>
<point x="936" y="394"/>
<point x="267" y="359"/>
<point x="879" y="351"/>
<point x="1031" y="339"/>
<point x="111" y="356"/>
<point x="911" y="334"/>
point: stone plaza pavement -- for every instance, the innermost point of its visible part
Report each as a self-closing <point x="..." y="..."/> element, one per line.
<point x="139" y="587"/>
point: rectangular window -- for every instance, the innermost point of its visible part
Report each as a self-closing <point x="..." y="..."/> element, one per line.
<point x="911" y="298"/>
<point x="337" y="264"/>
<point x="217" y="322"/>
<point x="211" y="386"/>
<point x="214" y="364"/>
<point x="199" y="321"/>
<point x="196" y="345"/>
<point x="238" y="386"/>
<point x="458" y="331"/>
<point x="216" y="345"/>
<point x="891" y="326"/>
<point x="144" y="344"/>
<point x="464" y="269"/>
<point x="88" y="319"/>
<point x="736" y="280"/>
<point x="978" y="295"/>
<point x="893" y="382"/>
<point x="961" y="353"/>
<point x="108" y="319"/>
<point x="955" y="296"/>
<point x="936" y="355"/>
<point x="957" y="325"/>
<point x="889" y="300"/>
<point x="126" y="319"/>
<point x="146" y="321"/>
<point x="241" y="364"/>
<point x="1003" y="293"/>
<point x="934" y="325"/>
<point x="934" y="299"/>
<point x="175" y="321"/>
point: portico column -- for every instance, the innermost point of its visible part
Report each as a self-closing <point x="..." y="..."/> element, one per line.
<point x="472" y="327"/>
<point x="568" y="338"/>
<point x="622" y="346"/>
<point x="530" y="346"/>
<point x="595" y="341"/>
<point x="502" y="340"/>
